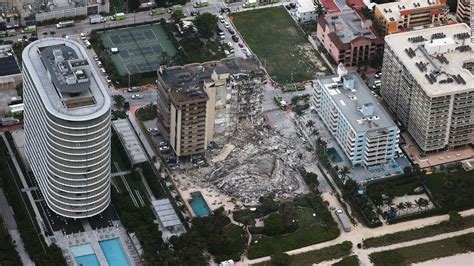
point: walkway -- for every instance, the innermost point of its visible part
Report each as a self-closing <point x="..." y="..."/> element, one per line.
<point x="358" y="234"/>
<point x="120" y="173"/>
<point x="7" y="215"/>
<point x="39" y="219"/>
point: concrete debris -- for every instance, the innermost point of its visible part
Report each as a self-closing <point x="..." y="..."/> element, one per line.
<point x="259" y="160"/>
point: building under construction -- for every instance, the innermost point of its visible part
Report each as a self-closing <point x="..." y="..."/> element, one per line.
<point x="200" y="102"/>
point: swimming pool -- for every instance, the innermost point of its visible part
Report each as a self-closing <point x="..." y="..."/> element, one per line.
<point x="85" y="255"/>
<point x="114" y="253"/>
<point x="332" y="153"/>
<point x="199" y="205"/>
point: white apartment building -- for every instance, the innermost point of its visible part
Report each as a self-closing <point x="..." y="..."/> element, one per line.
<point x="362" y="128"/>
<point x="67" y="127"/>
<point x="428" y="83"/>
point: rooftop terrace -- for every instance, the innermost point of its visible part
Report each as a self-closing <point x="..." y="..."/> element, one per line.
<point x="392" y="11"/>
<point x="67" y="85"/>
<point x="359" y="106"/>
<point x="441" y="59"/>
<point x="348" y="25"/>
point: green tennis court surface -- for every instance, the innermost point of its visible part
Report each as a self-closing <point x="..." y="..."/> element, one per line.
<point x="140" y="48"/>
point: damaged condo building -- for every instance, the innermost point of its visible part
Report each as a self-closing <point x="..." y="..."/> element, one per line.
<point x="200" y="102"/>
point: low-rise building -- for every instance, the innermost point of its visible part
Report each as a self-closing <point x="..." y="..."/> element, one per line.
<point x="411" y="14"/>
<point x="10" y="74"/>
<point x="463" y="10"/>
<point x="356" y="119"/>
<point x="200" y="102"/>
<point x="349" y="38"/>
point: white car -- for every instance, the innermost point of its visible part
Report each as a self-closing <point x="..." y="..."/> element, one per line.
<point x="102" y="70"/>
<point x="108" y="79"/>
<point x="83" y="36"/>
<point x="221" y="19"/>
<point x="137" y="96"/>
<point x="378" y="75"/>
<point x="99" y="64"/>
<point x="96" y="58"/>
<point x="227" y="25"/>
<point x="339" y="211"/>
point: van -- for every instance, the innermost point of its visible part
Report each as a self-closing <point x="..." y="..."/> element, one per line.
<point x="133" y="89"/>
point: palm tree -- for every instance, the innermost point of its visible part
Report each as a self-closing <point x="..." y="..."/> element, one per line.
<point x="401" y="206"/>
<point x="344" y="171"/>
<point x="315" y="132"/>
<point x="409" y="205"/>
<point x="310" y="123"/>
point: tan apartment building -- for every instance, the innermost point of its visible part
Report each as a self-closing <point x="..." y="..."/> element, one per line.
<point x="428" y="83"/>
<point x="463" y="10"/>
<point x="198" y="103"/>
<point x="407" y="15"/>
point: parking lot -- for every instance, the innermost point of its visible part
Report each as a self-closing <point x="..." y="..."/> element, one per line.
<point x="227" y="28"/>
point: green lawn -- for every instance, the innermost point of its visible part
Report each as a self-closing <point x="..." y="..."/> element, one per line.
<point x="452" y="190"/>
<point x="312" y="230"/>
<point x="418" y="233"/>
<point x="348" y="261"/>
<point x="426" y="251"/>
<point x="281" y="46"/>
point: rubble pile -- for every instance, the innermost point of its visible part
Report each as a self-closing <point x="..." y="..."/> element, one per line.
<point x="262" y="161"/>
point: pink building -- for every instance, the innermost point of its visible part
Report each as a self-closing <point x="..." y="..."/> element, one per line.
<point x="348" y="37"/>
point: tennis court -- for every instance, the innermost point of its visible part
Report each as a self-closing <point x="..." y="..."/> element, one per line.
<point x="140" y="48"/>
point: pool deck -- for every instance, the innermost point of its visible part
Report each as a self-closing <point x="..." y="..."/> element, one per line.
<point x="90" y="236"/>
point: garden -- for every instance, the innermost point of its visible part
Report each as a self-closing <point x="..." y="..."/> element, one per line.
<point x="424" y="252"/>
<point x="280" y="227"/>
<point x="280" y="44"/>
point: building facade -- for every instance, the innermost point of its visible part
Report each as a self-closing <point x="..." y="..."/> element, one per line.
<point x="428" y="83"/>
<point x="412" y="14"/>
<point x="67" y="127"/>
<point x="348" y="37"/>
<point x="362" y="128"/>
<point x="463" y="11"/>
<point x="200" y="102"/>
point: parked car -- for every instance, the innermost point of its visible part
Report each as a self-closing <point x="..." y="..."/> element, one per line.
<point x="227" y="25"/>
<point x="231" y="31"/>
<point x="137" y="96"/>
<point x="102" y="70"/>
<point x="108" y="79"/>
<point x="235" y="38"/>
<point x="241" y="45"/>
<point x="96" y="58"/>
<point x="133" y="89"/>
<point x="99" y="64"/>
<point x="221" y="19"/>
<point x="378" y="75"/>
<point x="152" y="130"/>
<point x="83" y="36"/>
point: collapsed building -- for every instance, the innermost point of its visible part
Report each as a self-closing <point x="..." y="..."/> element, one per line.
<point x="198" y="103"/>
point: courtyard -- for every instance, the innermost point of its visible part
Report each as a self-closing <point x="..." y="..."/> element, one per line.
<point x="280" y="44"/>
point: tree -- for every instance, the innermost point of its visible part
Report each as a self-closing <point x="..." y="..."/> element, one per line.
<point x="453" y="5"/>
<point x="310" y="124"/>
<point x="344" y="172"/>
<point x="52" y="33"/>
<point x="273" y="224"/>
<point x="421" y="203"/>
<point x="280" y="259"/>
<point x="456" y="219"/>
<point x="409" y="205"/>
<point x="315" y="132"/>
<point x="119" y="100"/>
<point x="401" y="206"/>
<point x="177" y="15"/>
<point x="206" y="24"/>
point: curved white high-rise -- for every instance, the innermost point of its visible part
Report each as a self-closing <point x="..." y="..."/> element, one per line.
<point x="67" y="127"/>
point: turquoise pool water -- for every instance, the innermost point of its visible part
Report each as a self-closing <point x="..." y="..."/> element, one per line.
<point x="114" y="252"/>
<point x="85" y="255"/>
<point x="332" y="152"/>
<point x="87" y="260"/>
<point x="199" y="205"/>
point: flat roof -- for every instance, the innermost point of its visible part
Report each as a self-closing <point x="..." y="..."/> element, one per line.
<point x="348" y="25"/>
<point x="129" y="140"/>
<point x="166" y="212"/>
<point x="62" y="73"/>
<point x="392" y="9"/>
<point x="350" y="103"/>
<point x="306" y="6"/>
<point x="442" y="57"/>
<point x="8" y="64"/>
